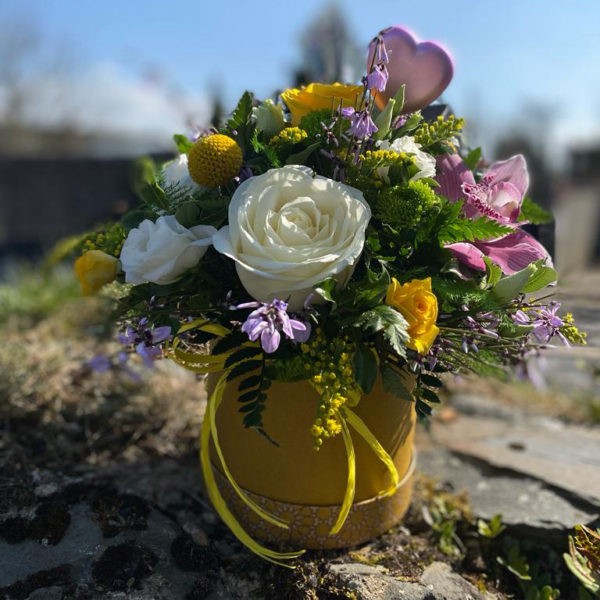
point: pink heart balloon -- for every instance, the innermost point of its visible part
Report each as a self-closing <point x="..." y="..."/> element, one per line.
<point x="425" y="67"/>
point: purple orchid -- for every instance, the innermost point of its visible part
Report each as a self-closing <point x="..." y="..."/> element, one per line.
<point x="498" y="196"/>
<point x="268" y="320"/>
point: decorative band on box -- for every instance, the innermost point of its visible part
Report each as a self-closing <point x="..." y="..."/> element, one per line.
<point x="309" y="525"/>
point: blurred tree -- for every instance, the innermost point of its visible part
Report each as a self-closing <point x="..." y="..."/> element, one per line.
<point x="28" y="65"/>
<point x="329" y="52"/>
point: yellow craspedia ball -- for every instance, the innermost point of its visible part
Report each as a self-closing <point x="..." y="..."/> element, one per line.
<point x="214" y="160"/>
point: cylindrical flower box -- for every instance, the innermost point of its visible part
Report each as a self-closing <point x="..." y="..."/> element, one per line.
<point x="306" y="487"/>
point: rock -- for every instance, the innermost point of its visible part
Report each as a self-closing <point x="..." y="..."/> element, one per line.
<point x="445" y="583"/>
<point x="87" y="535"/>
<point x="438" y="582"/>
<point x="527" y="505"/>
<point x="560" y="455"/>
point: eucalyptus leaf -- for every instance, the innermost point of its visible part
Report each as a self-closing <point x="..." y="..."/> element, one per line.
<point x="511" y="286"/>
<point x="540" y="279"/>
<point x="384" y="120"/>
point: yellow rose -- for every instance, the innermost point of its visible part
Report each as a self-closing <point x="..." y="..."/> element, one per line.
<point x="419" y="307"/>
<point x="319" y="96"/>
<point x="94" y="269"/>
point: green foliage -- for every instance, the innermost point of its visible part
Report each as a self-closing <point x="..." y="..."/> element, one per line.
<point x="472" y="159"/>
<point x="443" y="515"/>
<point x="583" y="559"/>
<point x="404" y="206"/>
<point x="456" y="228"/>
<point x="183" y="143"/>
<point x="388" y="321"/>
<point x="491" y="529"/>
<point x="365" y="367"/>
<point x="534" y="584"/>
<point x="31" y="294"/>
<point x="240" y="126"/>
<point x="534" y="213"/>
<point x="439" y="136"/>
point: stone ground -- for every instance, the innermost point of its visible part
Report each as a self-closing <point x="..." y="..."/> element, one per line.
<point x="101" y="496"/>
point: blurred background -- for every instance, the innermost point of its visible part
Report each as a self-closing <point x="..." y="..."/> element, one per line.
<point x="85" y="87"/>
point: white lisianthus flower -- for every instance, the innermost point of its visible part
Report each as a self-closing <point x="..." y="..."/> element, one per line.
<point x="269" y="118"/>
<point x="289" y="230"/>
<point x="176" y="172"/>
<point x="161" y="252"/>
<point x="425" y="162"/>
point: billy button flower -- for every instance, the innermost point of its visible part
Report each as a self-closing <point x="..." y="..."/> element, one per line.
<point x="214" y="160"/>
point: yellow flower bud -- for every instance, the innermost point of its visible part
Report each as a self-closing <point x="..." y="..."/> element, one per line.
<point x="94" y="268"/>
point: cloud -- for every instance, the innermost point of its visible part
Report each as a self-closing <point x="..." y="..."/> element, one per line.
<point x="105" y="100"/>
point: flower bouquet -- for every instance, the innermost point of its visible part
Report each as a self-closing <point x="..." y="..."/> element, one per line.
<point x="324" y="257"/>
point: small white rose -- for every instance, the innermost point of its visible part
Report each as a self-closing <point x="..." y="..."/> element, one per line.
<point x="176" y="172"/>
<point x="289" y="230"/>
<point x="161" y="252"/>
<point x="425" y="162"/>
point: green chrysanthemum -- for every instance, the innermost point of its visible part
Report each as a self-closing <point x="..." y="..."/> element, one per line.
<point x="403" y="206"/>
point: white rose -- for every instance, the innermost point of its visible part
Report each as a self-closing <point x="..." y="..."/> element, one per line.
<point x="289" y="230"/>
<point x="161" y="252"/>
<point x="425" y="162"/>
<point x="176" y="173"/>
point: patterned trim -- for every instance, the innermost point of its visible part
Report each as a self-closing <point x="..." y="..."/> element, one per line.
<point x="309" y="525"/>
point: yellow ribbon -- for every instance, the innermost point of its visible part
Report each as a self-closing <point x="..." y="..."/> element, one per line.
<point x="216" y="363"/>
<point x="209" y="431"/>
<point x="351" y="484"/>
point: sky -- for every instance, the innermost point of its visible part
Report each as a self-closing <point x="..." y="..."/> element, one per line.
<point x="148" y="65"/>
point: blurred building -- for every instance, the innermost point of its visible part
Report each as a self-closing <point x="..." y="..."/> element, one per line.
<point x="577" y="211"/>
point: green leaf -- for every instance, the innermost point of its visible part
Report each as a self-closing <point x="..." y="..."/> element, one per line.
<point x="241" y="114"/>
<point x="384" y="120"/>
<point x="248" y="383"/>
<point x="243" y="368"/>
<point x="394" y="382"/>
<point x="472" y="159"/>
<point x="513" y="330"/>
<point x="240" y="125"/>
<point x="386" y="319"/>
<point x="229" y="342"/>
<point x="534" y="213"/>
<point x="301" y="157"/>
<point x="430" y="380"/>
<point x="399" y="101"/>
<point x="493" y="272"/>
<point x="365" y="367"/>
<point x="248" y="396"/>
<point x="326" y="289"/>
<point x="183" y="143"/>
<point x="510" y="287"/>
<point x="542" y="277"/>
<point x="429" y="395"/>
<point x="461" y="229"/>
<point x="242" y="354"/>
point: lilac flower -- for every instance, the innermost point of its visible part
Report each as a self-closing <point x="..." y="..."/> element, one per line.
<point x="546" y="324"/>
<point x="378" y="77"/>
<point x="99" y="363"/>
<point x="268" y="320"/>
<point x="361" y="124"/>
<point x="146" y="339"/>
